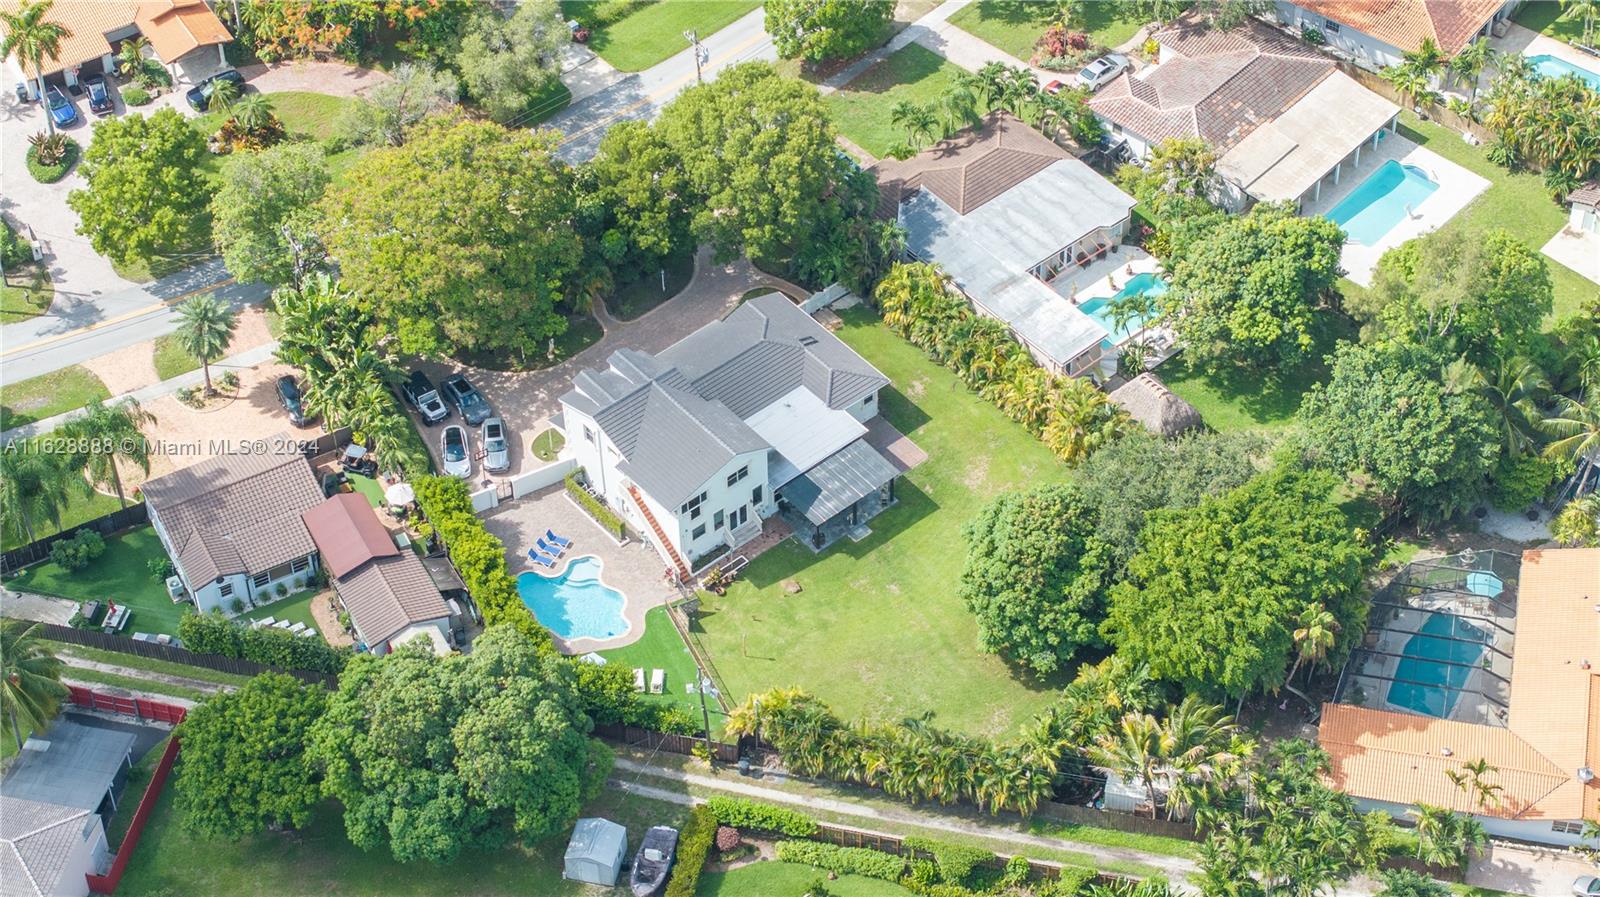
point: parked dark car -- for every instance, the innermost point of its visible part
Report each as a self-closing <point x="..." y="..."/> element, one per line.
<point x="99" y="96"/>
<point x="62" y="112"/>
<point x="653" y="861"/>
<point x="419" y="393"/>
<point x="293" y="401"/>
<point x="199" y="96"/>
<point x="466" y="398"/>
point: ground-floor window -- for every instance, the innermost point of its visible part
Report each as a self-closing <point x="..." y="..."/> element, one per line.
<point x="225" y="590"/>
<point x="301" y="565"/>
<point x="1567" y="828"/>
<point x="260" y="580"/>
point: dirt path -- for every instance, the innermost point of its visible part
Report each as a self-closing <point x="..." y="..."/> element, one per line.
<point x="200" y="685"/>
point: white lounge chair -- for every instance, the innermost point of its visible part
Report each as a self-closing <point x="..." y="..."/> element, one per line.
<point x="281" y="624"/>
<point x="658" y="682"/>
<point x="264" y="621"/>
<point x="308" y="631"/>
<point x="297" y="628"/>
<point x="638" y="679"/>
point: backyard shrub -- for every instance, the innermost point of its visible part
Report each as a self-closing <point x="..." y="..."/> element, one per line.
<point x="741" y="813"/>
<point x="76" y="553"/>
<point x="602" y="515"/>
<point x="1074" y="880"/>
<point x="843" y="860"/>
<point x="694" y="843"/>
<point x="955" y="861"/>
<point x="161" y="568"/>
<point x="212" y="633"/>
<point x="727" y="838"/>
<point x="14" y="250"/>
<point x="135" y="96"/>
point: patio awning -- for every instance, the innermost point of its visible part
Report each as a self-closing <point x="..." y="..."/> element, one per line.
<point x="842" y="479"/>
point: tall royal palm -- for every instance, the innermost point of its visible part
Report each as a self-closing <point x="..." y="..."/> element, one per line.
<point x="30" y="678"/>
<point x="1586" y="10"/>
<point x="112" y="432"/>
<point x="31" y="38"/>
<point x="35" y="486"/>
<point x="205" y="327"/>
<point x="1576" y="428"/>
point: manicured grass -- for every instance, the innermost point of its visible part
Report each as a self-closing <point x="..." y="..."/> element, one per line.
<point x="295" y="608"/>
<point x="645" y="293"/>
<point x="1110" y="837"/>
<point x="369" y="487"/>
<point x="548" y="444"/>
<point x="171" y="359"/>
<point x="320" y="860"/>
<point x="1247" y="400"/>
<point x="150" y="664"/>
<point x="48" y="395"/>
<point x="122" y="575"/>
<point x="878" y="630"/>
<point x="861" y="110"/>
<point x="1015" y="25"/>
<point x="315" y="115"/>
<point x="1546" y="18"/>
<point x="661" y="648"/>
<point x="79" y="509"/>
<point x="771" y="878"/>
<point x="635" y="34"/>
<point x="1515" y="201"/>
<point x="26" y="293"/>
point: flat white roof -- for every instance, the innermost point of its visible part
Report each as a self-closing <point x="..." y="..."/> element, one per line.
<point x="804" y="431"/>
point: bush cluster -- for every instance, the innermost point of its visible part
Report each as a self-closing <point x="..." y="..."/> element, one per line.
<point x="50" y="173"/>
<point x="694" y="844"/>
<point x="212" y="633"/>
<point x="76" y="553"/>
<point x="14" y="250"/>
<point x="843" y="860"/>
<point x="602" y="515"/>
<point x="477" y="554"/>
<point x="609" y="699"/>
<point x="135" y="96"/>
<point x="741" y="813"/>
<point x="955" y="861"/>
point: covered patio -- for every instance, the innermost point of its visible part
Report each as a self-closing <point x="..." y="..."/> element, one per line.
<point x="837" y="497"/>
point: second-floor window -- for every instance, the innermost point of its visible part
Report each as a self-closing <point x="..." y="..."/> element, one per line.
<point x="738" y="475"/>
<point x="692" y="506"/>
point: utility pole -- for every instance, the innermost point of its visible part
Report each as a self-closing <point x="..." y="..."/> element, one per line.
<point x="701" y="55"/>
<point x="705" y="712"/>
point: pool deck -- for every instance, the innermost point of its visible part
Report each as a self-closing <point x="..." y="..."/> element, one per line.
<point x="633" y="569"/>
<point x="1102" y="280"/>
<point x="1525" y="42"/>
<point x="1458" y="187"/>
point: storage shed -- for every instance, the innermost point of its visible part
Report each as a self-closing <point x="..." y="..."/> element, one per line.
<point x="596" y="852"/>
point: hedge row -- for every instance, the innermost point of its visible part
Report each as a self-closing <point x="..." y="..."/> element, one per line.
<point x="694" y="844"/>
<point x="741" y="813"/>
<point x="955" y="861"/>
<point x="212" y="633"/>
<point x="479" y="557"/>
<point x="602" y="515"/>
<point x="843" y="860"/>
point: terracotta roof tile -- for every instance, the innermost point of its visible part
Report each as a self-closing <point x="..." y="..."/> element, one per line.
<point x="1404" y="23"/>
<point x="972" y="167"/>
<point x="173" y="27"/>
<point x="1586" y="195"/>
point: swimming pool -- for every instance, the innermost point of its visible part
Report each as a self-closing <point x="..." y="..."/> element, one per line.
<point x="1556" y="67"/>
<point x="1381" y="201"/>
<point x="575" y="604"/>
<point x="1100" y="307"/>
<point x="1430" y="661"/>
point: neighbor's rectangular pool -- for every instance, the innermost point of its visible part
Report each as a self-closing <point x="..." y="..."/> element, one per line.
<point x="1383" y="200"/>
<point x="1436" y="662"/>
<point x="1556" y="67"/>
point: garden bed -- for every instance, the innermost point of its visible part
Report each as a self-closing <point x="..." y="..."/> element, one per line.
<point x="49" y="174"/>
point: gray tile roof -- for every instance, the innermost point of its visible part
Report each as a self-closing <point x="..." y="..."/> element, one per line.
<point x="36" y="841"/>
<point x="678" y="417"/>
<point x="853" y="472"/>
<point x="236" y="513"/>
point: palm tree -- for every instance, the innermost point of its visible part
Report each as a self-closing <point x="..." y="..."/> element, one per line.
<point x="1576" y="426"/>
<point x="1470" y="63"/>
<point x="114" y="431"/>
<point x="1514" y="392"/>
<point x="30" y="38"/>
<point x="205" y="327"/>
<point x="1586" y="8"/>
<point x="991" y="82"/>
<point x="1446" y="838"/>
<point x="1578" y="524"/>
<point x="30" y="678"/>
<point x="960" y="103"/>
<point x="1133" y="748"/>
<point x="1427" y="58"/>
<point x="223" y="95"/>
<point x="1412" y="82"/>
<point x="36" y="485"/>
<point x="1473" y="780"/>
<point x="1315" y="637"/>
<point x="252" y="113"/>
<point x="132" y="56"/>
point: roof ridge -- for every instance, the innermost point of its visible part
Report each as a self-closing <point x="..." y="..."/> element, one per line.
<point x="1558" y="771"/>
<point x="715" y="436"/>
<point x="282" y="461"/>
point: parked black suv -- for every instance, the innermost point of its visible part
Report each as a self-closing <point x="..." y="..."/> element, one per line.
<point x="420" y="394"/>
<point x="199" y="96"/>
<point x="466" y="398"/>
<point x="293" y="402"/>
<point x="99" y="97"/>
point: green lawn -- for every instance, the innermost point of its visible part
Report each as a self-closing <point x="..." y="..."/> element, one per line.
<point x="295" y="608"/>
<point x="635" y="34"/>
<point x="48" y="395"/>
<point x="315" y="115"/>
<point x="1015" y="25"/>
<point x="150" y="664"/>
<point x="122" y="575"/>
<point x="134" y="683"/>
<point x="171" y="359"/>
<point x="878" y="629"/>
<point x="1546" y="18"/>
<point x="319" y="860"/>
<point x="548" y="444"/>
<point x="861" y="110"/>
<point x="26" y="293"/>
<point x="662" y="648"/>
<point x="771" y="878"/>
<point x="641" y="295"/>
<point x="369" y="487"/>
<point x="79" y="509"/>
<point x="1515" y="201"/>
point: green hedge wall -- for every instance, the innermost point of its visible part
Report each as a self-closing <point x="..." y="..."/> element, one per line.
<point x="843" y="860"/>
<point x="741" y="813"/>
<point x="694" y="843"/>
<point x="479" y="556"/>
<point x="212" y="633"/>
<point x="601" y="514"/>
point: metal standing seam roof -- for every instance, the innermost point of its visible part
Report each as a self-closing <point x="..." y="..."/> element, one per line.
<point x="850" y="474"/>
<point x="36" y="840"/>
<point x="76" y="770"/>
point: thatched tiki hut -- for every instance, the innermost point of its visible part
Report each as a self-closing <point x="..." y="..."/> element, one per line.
<point x="1148" y="401"/>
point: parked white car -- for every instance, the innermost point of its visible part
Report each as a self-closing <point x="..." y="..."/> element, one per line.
<point x="496" y="451"/>
<point x="455" y="451"/>
<point x="1102" y="71"/>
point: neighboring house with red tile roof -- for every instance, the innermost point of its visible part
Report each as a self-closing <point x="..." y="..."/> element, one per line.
<point x="1377" y="33"/>
<point x="1280" y="116"/>
<point x="182" y="34"/>
<point x="232" y="525"/>
<point x="1546" y="753"/>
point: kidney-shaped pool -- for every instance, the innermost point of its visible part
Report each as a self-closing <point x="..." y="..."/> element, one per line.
<point x="575" y="604"/>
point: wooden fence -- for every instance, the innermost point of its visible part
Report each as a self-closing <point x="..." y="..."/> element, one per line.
<point x="1435" y="111"/>
<point x="105" y="641"/>
<point x="666" y="741"/>
<point x="39" y="549"/>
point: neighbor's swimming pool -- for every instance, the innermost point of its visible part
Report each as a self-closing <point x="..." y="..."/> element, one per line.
<point x="1099" y="307"/>
<point x="575" y="604"/>
<point x="1381" y="201"/>
<point x="1556" y="67"/>
<point x="1436" y="662"/>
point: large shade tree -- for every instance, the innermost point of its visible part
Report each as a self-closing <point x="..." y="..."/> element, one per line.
<point x="815" y="30"/>
<point x="143" y="201"/>
<point x="265" y="211"/>
<point x="509" y="63"/>
<point x="459" y="240"/>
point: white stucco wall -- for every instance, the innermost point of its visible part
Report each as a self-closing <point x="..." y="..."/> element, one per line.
<point x="727" y="499"/>
<point x="1539" y="831"/>
<point x="1367" y="51"/>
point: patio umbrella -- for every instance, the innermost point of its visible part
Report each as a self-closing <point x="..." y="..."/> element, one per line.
<point x="400" y="494"/>
<point x="593" y="658"/>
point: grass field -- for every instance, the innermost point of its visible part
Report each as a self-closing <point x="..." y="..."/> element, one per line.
<point x="772" y="879"/>
<point x="1014" y="25"/>
<point x="26" y="293"/>
<point x="635" y="34"/>
<point x="133" y="683"/>
<point x="171" y="359"/>
<point x="861" y="110"/>
<point x="122" y="575"/>
<point x="295" y="608"/>
<point x="1546" y="18"/>
<point x="878" y="629"/>
<point x="47" y="395"/>
<point x="150" y="664"/>
<point x="548" y="444"/>
<point x="661" y="648"/>
<point x="79" y="509"/>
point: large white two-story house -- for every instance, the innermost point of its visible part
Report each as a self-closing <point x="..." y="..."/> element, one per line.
<point x="760" y="411"/>
<point x="1376" y="35"/>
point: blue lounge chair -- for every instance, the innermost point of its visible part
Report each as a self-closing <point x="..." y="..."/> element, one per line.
<point x="556" y="540"/>
<point x="542" y="560"/>
<point x="545" y="547"/>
